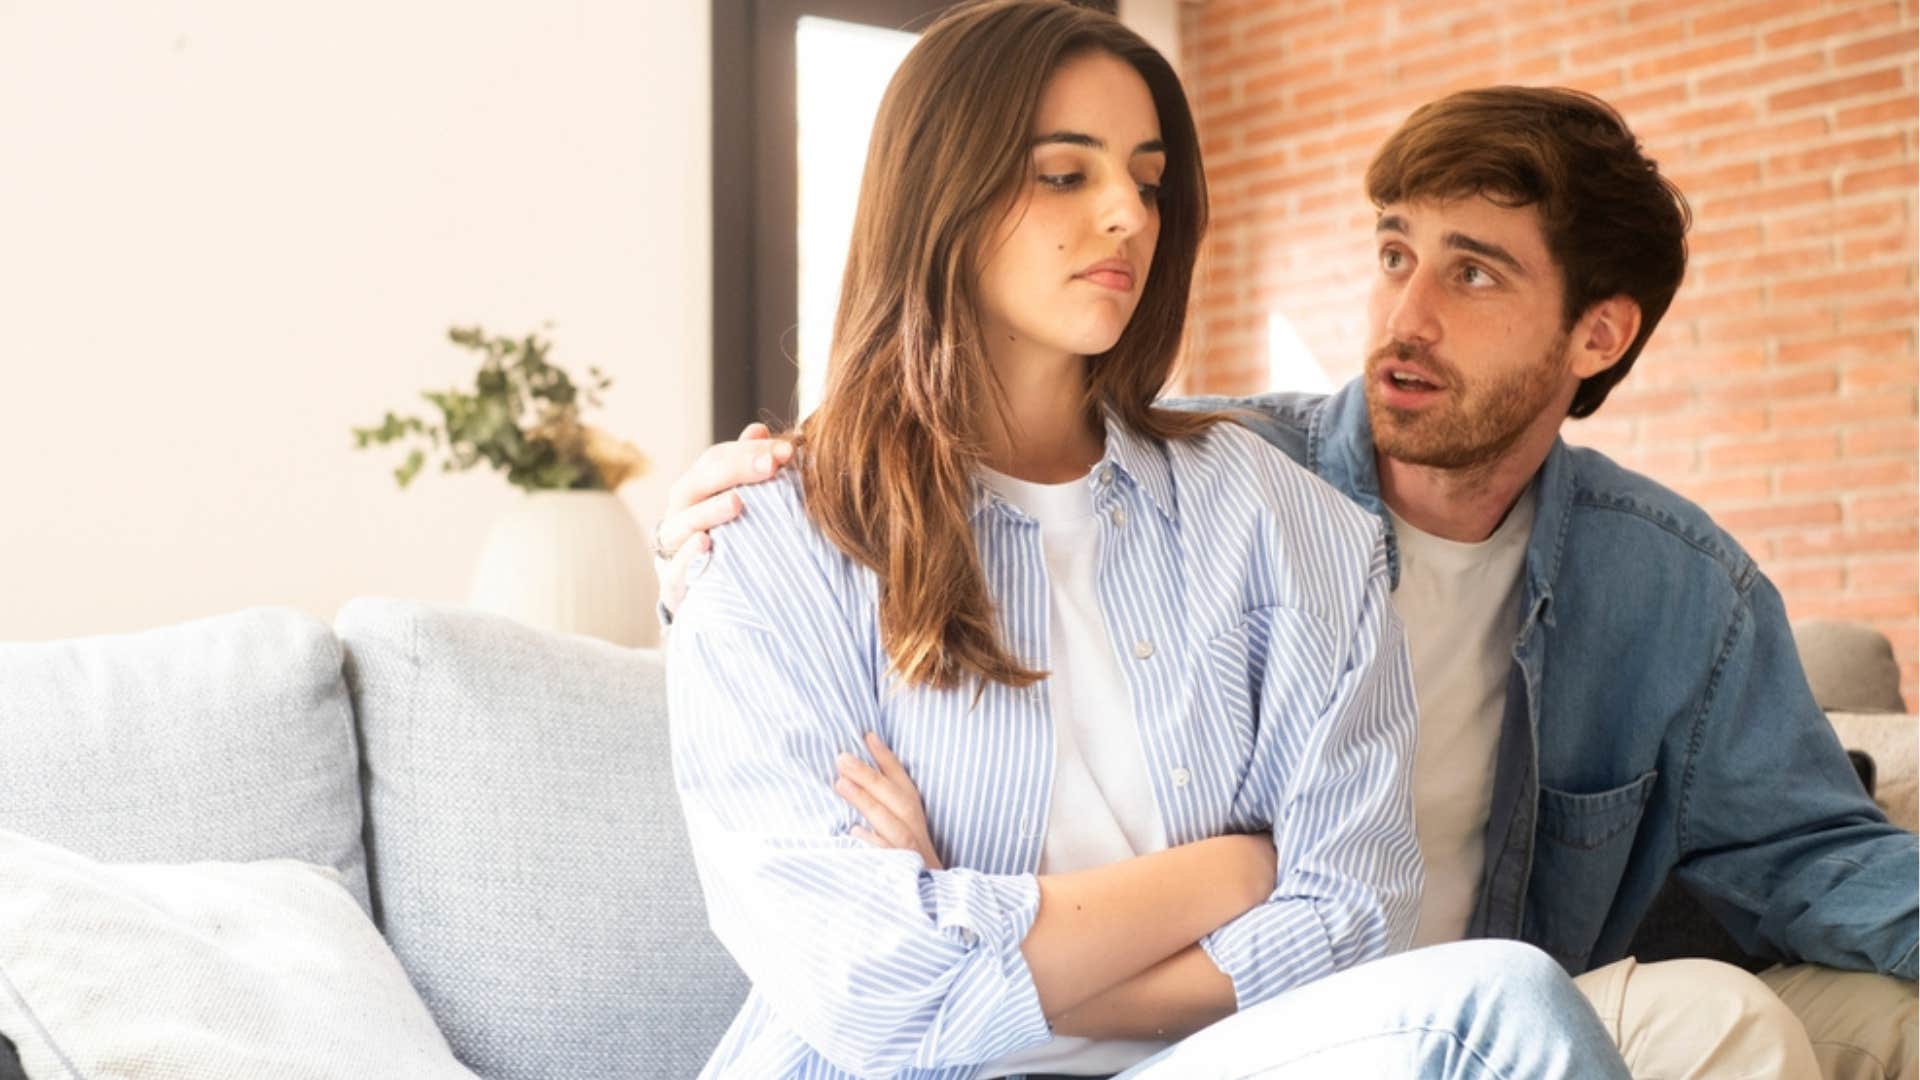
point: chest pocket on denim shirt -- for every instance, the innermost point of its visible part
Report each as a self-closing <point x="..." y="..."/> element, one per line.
<point x="1583" y="844"/>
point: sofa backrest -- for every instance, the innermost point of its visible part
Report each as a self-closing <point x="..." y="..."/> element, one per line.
<point x="228" y="738"/>
<point x="1850" y="666"/>
<point x="528" y="858"/>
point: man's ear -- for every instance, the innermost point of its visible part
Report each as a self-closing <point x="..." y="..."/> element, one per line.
<point x="1603" y="334"/>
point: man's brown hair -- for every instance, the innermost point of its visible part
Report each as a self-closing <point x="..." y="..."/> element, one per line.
<point x="1613" y="224"/>
<point x="888" y="458"/>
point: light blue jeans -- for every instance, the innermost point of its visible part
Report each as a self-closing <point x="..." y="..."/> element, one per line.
<point x="1471" y="1010"/>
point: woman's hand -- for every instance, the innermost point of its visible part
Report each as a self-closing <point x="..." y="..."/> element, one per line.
<point x="888" y="800"/>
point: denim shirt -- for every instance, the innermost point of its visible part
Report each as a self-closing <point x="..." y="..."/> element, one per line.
<point x="1657" y="721"/>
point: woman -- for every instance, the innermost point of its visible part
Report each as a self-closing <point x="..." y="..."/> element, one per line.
<point x="1141" y="668"/>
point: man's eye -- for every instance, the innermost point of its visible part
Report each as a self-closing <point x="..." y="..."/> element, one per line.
<point x="1061" y="181"/>
<point x="1474" y="275"/>
<point x="1390" y="259"/>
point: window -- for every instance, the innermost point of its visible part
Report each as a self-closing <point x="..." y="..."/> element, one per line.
<point x="771" y="320"/>
<point x="841" y="72"/>
<point x="758" y="239"/>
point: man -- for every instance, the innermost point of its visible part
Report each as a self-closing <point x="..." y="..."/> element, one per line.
<point x="1608" y="688"/>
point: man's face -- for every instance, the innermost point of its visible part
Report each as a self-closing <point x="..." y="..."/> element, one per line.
<point x="1466" y="347"/>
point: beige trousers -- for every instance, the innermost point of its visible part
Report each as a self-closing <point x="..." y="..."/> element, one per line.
<point x="1686" y="1019"/>
<point x="1862" y="1025"/>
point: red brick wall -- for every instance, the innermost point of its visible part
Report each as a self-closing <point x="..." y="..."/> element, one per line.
<point x="1779" y="391"/>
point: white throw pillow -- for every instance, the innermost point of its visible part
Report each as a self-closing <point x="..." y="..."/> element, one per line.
<point x="200" y="971"/>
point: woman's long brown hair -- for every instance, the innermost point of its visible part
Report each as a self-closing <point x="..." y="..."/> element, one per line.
<point x="887" y="459"/>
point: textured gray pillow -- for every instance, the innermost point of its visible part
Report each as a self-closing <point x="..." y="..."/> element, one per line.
<point x="529" y="862"/>
<point x="227" y="738"/>
<point x="1850" y="666"/>
<point x="1888" y="739"/>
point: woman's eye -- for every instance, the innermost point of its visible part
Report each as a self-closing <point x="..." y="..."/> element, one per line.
<point x="1061" y="181"/>
<point x="1149" y="193"/>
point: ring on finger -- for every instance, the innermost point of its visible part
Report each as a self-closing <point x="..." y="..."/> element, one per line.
<point x="660" y="549"/>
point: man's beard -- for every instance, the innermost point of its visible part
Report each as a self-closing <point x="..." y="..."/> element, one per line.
<point x="1478" y="423"/>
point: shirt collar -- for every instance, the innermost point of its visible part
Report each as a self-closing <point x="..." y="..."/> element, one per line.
<point x="1141" y="460"/>
<point x="1132" y="457"/>
<point x="1340" y="451"/>
<point x="1552" y="513"/>
<point x="1340" y="447"/>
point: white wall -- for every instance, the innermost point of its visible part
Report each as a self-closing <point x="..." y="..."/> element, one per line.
<point x="1159" y="22"/>
<point x="230" y="231"/>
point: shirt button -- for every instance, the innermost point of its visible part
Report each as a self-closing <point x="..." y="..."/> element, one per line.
<point x="1143" y="649"/>
<point x="1106" y="475"/>
<point x="1119" y="516"/>
<point x="1181" y="778"/>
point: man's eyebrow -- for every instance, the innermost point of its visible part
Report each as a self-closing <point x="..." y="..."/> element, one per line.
<point x="1394" y="223"/>
<point x="1075" y="138"/>
<point x="1486" y="251"/>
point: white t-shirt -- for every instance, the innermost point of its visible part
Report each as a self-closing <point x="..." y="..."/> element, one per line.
<point x="1460" y="604"/>
<point x="1102" y="810"/>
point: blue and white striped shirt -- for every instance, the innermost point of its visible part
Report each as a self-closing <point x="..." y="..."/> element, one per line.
<point x="1270" y="687"/>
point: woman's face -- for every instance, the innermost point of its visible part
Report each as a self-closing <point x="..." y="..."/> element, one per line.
<point x="1066" y="267"/>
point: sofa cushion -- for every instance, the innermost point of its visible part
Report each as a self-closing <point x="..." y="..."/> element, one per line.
<point x="201" y="971"/>
<point x="528" y="858"/>
<point x="1850" y="666"/>
<point x="1887" y="738"/>
<point x="228" y="738"/>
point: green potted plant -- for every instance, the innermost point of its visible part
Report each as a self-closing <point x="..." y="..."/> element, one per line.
<point x="522" y="417"/>
<point x="569" y="557"/>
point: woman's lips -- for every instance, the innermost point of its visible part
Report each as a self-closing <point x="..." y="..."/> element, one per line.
<point x="1114" y="273"/>
<point x="1118" y="281"/>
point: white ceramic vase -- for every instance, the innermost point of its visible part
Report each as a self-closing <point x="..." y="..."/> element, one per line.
<point x="574" y="562"/>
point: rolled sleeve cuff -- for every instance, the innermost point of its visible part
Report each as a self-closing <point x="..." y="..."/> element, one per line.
<point x="991" y="913"/>
<point x="1271" y="949"/>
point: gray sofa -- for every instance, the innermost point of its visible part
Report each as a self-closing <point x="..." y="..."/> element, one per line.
<point x="499" y="800"/>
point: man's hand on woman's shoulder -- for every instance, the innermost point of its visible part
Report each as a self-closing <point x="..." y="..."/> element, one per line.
<point x="703" y="498"/>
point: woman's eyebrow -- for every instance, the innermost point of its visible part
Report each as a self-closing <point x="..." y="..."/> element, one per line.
<point x="1076" y="138"/>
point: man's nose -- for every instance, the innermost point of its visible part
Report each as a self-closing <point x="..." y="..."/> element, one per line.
<point x="1414" y="316"/>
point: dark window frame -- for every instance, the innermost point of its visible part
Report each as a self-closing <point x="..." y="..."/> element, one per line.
<point x="756" y="303"/>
